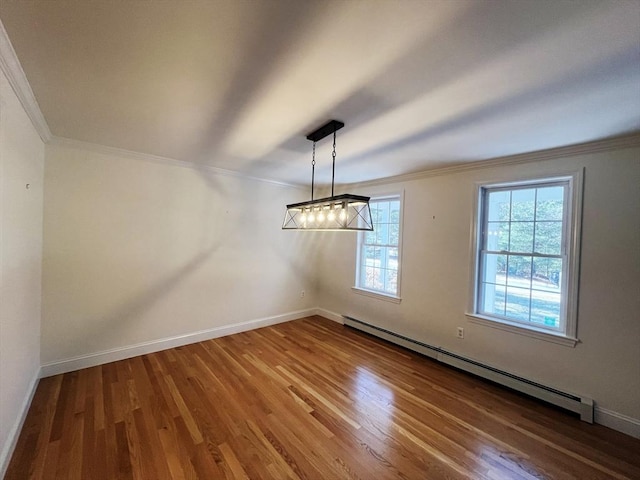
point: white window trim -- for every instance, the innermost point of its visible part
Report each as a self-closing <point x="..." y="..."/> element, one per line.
<point x="375" y="293"/>
<point x="574" y="208"/>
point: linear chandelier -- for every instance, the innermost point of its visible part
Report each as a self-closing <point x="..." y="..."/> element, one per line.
<point x="344" y="212"/>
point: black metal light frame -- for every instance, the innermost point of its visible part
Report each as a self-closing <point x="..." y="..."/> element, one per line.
<point x="346" y="212"/>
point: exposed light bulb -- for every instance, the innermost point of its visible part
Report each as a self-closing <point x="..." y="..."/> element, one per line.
<point x="331" y="216"/>
<point x="321" y="216"/>
<point x="312" y="217"/>
<point x="343" y="215"/>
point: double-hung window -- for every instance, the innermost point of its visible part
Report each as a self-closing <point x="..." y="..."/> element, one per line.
<point x="378" y="265"/>
<point x="526" y="255"/>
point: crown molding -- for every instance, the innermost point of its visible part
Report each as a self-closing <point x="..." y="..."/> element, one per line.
<point x="147" y="157"/>
<point x="609" y="144"/>
<point x="10" y="65"/>
<point x="615" y="143"/>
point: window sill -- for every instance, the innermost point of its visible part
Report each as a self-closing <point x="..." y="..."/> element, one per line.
<point x="520" y="330"/>
<point x="379" y="295"/>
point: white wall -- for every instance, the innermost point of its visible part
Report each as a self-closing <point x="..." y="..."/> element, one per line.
<point x="605" y="365"/>
<point x="21" y="163"/>
<point x="137" y="251"/>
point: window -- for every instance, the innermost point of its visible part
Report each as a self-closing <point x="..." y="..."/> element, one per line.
<point x="378" y="268"/>
<point x="526" y="246"/>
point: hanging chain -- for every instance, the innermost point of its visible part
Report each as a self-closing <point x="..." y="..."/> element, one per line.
<point x="333" y="171"/>
<point x="313" y="168"/>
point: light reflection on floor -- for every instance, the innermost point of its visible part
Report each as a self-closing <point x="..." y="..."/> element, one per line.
<point x="504" y="462"/>
<point x="374" y="402"/>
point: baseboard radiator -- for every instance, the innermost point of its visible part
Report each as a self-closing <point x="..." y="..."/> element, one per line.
<point x="574" y="403"/>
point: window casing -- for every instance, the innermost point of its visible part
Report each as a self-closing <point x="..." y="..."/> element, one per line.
<point x="378" y="256"/>
<point x="525" y="251"/>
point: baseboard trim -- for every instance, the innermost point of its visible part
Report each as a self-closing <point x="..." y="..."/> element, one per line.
<point x="122" y="353"/>
<point x="617" y="421"/>
<point x="329" y="315"/>
<point x="572" y="402"/>
<point x="14" y="433"/>
<point x="608" y="418"/>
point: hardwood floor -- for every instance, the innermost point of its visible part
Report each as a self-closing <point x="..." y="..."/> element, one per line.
<point x="305" y="399"/>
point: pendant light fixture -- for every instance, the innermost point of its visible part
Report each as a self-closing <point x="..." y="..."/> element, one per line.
<point x="344" y="212"/>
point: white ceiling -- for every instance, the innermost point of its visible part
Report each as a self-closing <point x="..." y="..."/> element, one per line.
<point x="237" y="84"/>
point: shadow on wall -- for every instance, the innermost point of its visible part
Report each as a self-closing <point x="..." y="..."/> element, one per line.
<point x="112" y="324"/>
<point x="228" y="241"/>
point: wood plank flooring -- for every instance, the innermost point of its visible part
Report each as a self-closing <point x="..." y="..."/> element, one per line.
<point x="308" y="399"/>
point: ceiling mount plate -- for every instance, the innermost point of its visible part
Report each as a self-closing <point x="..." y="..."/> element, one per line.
<point x="326" y="129"/>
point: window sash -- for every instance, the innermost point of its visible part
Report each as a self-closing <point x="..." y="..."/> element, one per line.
<point x="387" y="274"/>
<point x="483" y="253"/>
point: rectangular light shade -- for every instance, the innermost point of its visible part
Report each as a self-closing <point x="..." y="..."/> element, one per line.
<point x="339" y="213"/>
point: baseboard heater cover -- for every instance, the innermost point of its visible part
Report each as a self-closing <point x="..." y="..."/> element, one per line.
<point x="574" y="403"/>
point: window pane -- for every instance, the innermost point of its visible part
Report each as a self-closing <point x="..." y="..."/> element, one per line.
<point x="493" y="299"/>
<point x="382" y="233"/>
<point x="370" y="237"/>
<point x="394" y="234"/>
<point x="499" y="208"/>
<point x="391" y="281"/>
<point x="384" y="212"/>
<point x="545" y="308"/>
<point x="549" y="203"/>
<point x="374" y="278"/>
<point x="369" y="255"/>
<point x="518" y="303"/>
<point x="497" y="236"/>
<point x="547" y="274"/>
<point x="519" y="271"/>
<point x="365" y="272"/>
<point x="522" y="204"/>
<point x="494" y="268"/>
<point x="376" y="213"/>
<point x="394" y="211"/>
<point x="381" y="214"/>
<point x="521" y="237"/>
<point x="548" y="238"/>
<point x="503" y="236"/>
<point x="376" y="255"/>
<point x="382" y="258"/>
<point x="392" y="258"/>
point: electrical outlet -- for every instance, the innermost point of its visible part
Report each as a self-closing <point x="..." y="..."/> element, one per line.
<point x="302" y="294"/>
<point x="460" y="332"/>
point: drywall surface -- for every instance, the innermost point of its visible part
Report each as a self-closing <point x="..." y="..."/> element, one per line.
<point x="436" y="275"/>
<point x="137" y="250"/>
<point x="21" y="163"/>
